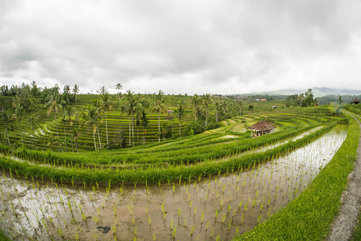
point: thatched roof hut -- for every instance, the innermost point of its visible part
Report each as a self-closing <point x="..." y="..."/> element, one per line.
<point x="355" y="101"/>
<point x="262" y="127"/>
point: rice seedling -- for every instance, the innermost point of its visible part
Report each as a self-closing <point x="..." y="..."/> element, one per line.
<point x="218" y="193"/>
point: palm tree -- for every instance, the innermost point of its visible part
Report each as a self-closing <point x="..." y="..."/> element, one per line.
<point x="92" y="118"/>
<point x="76" y="130"/>
<point x="105" y="106"/>
<point x="140" y="114"/>
<point x="221" y="108"/>
<point x="180" y="113"/>
<point x="206" y="102"/>
<point x="195" y="107"/>
<point x="119" y="86"/>
<point x="67" y="115"/>
<point x="159" y="107"/>
<point x="218" y="108"/>
<point x="68" y="112"/>
<point x="129" y="108"/>
<point x="18" y="108"/>
<point x="145" y="124"/>
<point x="75" y="92"/>
<point x="76" y="133"/>
<point x="53" y="104"/>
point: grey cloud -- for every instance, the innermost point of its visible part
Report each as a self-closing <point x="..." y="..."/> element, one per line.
<point x="162" y="43"/>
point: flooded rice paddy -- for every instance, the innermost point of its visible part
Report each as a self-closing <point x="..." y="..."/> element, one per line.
<point x="218" y="208"/>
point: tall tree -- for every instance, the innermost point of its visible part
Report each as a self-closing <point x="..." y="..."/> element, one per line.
<point x="75" y="93"/>
<point x="129" y="108"/>
<point x="76" y="130"/>
<point x="145" y="124"/>
<point x="159" y="107"/>
<point x="66" y="96"/>
<point x="180" y="113"/>
<point x="105" y="106"/>
<point x="92" y="117"/>
<point x="53" y="104"/>
<point x="196" y="105"/>
<point x="119" y="86"/>
<point x="219" y="108"/>
<point x="340" y="101"/>
<point x="206" y="101"/>
<point x="140" y="112"/>
<point x="308" y="99"/>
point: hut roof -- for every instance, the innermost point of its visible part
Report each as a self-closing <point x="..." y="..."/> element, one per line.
<point x="262" y="126"/>
<point x="355" y="101"/>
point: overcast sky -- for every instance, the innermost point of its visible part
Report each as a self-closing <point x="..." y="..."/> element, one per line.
<point x="216" y="46"/>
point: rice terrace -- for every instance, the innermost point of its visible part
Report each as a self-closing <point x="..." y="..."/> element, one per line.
<point x="132" y="166"/>
<point x="181" y="120"/>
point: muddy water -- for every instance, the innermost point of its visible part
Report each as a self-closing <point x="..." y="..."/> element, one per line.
<point x="214" y="209"/>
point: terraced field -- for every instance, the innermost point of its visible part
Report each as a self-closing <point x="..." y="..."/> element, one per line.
<point x="58" y="134"/>
<point x="212" y="186"/>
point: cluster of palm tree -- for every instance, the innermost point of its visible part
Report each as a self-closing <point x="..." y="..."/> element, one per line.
<point x="136" y="106"/>
<point x="224" y="108"/>
<point x="30" y="98"/>
<point x="180" y="114"/>
<point x="200" y="106"/>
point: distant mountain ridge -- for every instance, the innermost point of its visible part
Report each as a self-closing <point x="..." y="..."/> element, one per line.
<point x="317" y="91"/>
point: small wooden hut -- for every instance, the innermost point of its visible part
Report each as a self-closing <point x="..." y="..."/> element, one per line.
<point x="355" y="101"/>
<point x="261" y="128"/>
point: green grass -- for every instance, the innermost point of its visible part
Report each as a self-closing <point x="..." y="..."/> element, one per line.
<point x="3" y="237"/>
<point x="309" y="216"/>
<point x="356" y="235"/>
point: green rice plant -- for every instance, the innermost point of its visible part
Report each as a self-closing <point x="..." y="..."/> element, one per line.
<point x="309" y="216"/>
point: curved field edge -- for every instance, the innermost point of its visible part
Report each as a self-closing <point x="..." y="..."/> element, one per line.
<point x="309" y="217"/>
<point x="178" y="174"/>
<point x="58" y="159"/>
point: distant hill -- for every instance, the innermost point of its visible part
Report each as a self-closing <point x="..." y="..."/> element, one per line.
<point x="317" y="91"/>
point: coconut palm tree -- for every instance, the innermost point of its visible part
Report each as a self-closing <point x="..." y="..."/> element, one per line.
<point x="92" y="117"/>
<point x="119" y="86"/>
<point x="18" y="107"/>
<point x="218" y="104"/>
<point x="129" y="108"/>
<point x="105" y="106"/>
<point x="75" y="92"/>
<point x="180" y="113"/>
<point x="145" y="124"/>
<point x="68" y="113"/>
<point x="159" y="107"/>
<point x="196" y="101"/>
<point x="140" y="114"/>
<point x="53" y="104"/>
<point x="206" y="101"/>
<point x="75" y="129"/>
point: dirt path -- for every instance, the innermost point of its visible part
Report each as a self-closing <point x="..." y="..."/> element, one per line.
<point x="347" y="219"/>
